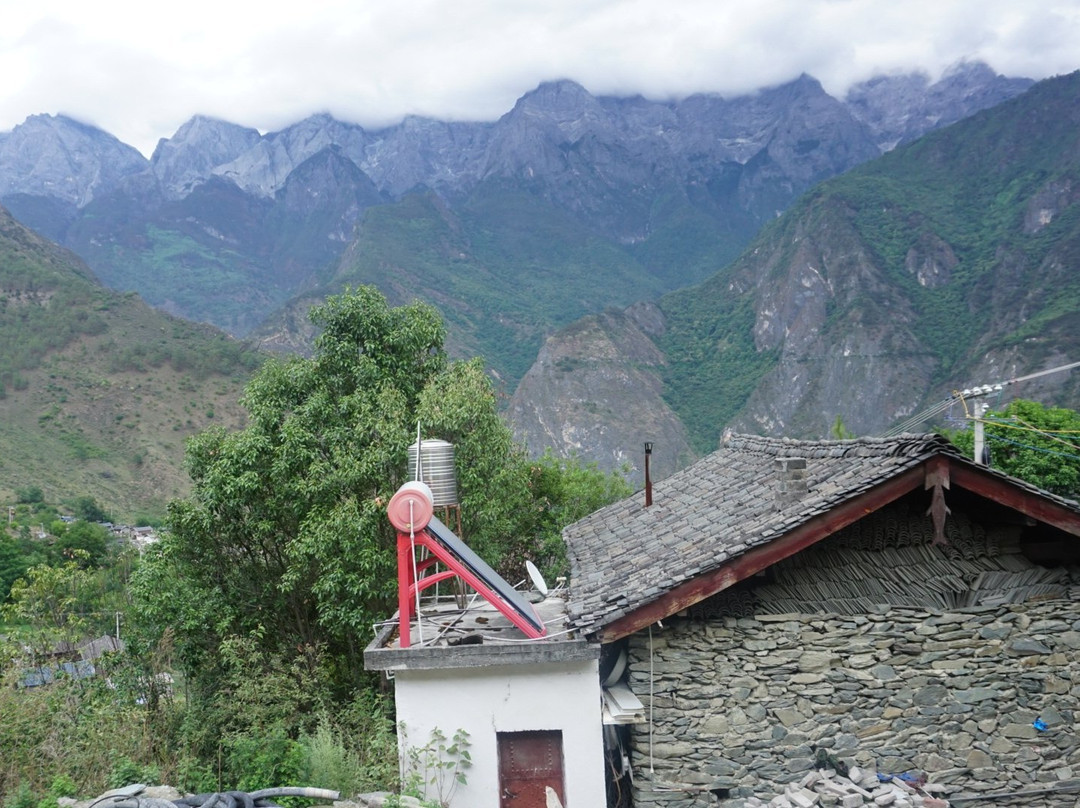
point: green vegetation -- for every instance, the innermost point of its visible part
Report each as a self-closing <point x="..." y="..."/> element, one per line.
<point x="1035" y="443"/>
<point x="204" y="281"/>
<point x="714" y="364"/>
<point x="972" y="229"/>
<point x="505" y="271"/>
<point x="243" y="667"/>
<point x="506" y="267"/>
<point x="437" y="767"/>
<point x="97" y="390"/>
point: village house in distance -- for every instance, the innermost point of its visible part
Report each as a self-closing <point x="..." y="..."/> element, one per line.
<point x="878" y="621"/>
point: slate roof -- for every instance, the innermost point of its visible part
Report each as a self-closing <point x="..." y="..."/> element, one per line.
<point x="625" y="555"/>
<point x="47" y="674"/>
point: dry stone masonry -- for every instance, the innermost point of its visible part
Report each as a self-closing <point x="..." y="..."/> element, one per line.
<point x="982" y="700"/>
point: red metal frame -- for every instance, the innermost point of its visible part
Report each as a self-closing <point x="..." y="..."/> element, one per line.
<point x="412" y="579"/>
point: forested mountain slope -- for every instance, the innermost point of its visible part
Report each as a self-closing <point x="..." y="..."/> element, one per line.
<point x="97" y="390"/>
<point x="948" y="262"/>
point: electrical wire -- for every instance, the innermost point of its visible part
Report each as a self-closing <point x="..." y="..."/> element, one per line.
<point x="1006" y="421"/>
<point x="1026" y="427"/>
<point x="1023" y="426"/>
<point x="985" y="389"/>
<point x="1034" y="448"/>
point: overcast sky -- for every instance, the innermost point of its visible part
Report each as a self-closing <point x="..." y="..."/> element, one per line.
<point x="139" y="70"/>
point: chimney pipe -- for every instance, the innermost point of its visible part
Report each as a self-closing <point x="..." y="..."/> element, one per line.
<point x="648" y="479"/>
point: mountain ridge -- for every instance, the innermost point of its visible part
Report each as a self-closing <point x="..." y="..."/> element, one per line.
<point x="946" y="263"/>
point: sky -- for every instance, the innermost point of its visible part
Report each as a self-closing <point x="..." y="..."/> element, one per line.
<point x="139" y="70"/>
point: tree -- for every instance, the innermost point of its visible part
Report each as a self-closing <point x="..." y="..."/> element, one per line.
<point x="270" y="575"/>
<point x="53" y="601"/>
<point x="284" y="539"/>
<point x="30" y="494"/>
<point x="12" y="565"/>
<point x="839" y="430"/>
<point x="87" y="509"/>
<point x="1035" y="443"/>
<point x="91" y="538"/>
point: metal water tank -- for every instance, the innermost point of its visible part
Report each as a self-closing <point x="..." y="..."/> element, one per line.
<point x="438" y="470"/>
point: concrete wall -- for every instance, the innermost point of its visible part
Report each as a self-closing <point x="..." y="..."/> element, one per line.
<point x="742" y="703"/>
<point x="509" y="698"/>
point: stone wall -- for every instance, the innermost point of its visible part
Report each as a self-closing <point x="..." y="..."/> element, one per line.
<point x="741" y="705"/>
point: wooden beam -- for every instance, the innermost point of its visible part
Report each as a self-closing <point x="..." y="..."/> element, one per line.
<point x="937" y="472"/>
<point x="937" y="479"/>
<point x="992" y="487"/>
<point x="753" y="561"/>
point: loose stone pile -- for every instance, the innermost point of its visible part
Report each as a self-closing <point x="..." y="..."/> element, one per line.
<point x="984" y="700"/>
<point x="858" y="788"/>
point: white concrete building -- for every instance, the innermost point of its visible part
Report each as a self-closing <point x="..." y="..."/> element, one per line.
<point x="529" y="710"/>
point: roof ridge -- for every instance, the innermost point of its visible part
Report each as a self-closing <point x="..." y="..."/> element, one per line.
<point x="903" y="445"/>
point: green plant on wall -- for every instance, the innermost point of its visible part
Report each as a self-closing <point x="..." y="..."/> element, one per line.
<point x="435" y="770"/>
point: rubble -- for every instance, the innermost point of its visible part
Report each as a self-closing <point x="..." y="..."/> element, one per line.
<point x="860" y="787"/>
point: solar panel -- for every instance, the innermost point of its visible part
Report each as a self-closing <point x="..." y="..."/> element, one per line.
<point x="445" y="536"/>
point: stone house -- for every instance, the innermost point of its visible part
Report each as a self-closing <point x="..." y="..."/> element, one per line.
<point x="880" y="602"/>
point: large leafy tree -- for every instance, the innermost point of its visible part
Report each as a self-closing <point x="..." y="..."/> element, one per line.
<point x="285" y="541"/>
<point x="1035" y="443"/>
<point x="284" y="536"/>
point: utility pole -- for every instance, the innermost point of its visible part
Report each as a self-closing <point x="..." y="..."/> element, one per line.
<point x="980" y="436"/>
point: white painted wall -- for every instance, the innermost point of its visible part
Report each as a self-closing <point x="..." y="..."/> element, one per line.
<point x="510" y="698"/>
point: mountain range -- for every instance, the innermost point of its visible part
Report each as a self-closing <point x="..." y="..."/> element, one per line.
<point x="654" y="234"/>
<point x="947" y="263"/>
<point x="566" y="205"/>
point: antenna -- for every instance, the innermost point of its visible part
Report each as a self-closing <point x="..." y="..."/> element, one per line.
<point x="419" y="454"/>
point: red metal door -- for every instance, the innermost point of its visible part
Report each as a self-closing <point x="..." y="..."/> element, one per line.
<point x="528" y="763"/>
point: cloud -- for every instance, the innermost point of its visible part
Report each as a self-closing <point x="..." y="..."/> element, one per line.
<point x="140" y="75"/>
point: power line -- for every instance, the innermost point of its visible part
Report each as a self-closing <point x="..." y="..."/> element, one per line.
<point x="1033" y="448"/>
<point x="972" y="392"/>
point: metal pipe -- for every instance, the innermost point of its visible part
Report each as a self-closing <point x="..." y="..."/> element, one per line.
<point x="648" y="479"/>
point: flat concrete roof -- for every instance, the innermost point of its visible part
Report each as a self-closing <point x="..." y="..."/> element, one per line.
<point x="446" y="636"/>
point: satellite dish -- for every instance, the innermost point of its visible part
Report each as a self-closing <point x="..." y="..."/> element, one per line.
<point x="537" y="578"/>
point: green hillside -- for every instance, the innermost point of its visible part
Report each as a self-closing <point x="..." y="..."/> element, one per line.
<point x="505" y="268"/>
<point x="973" y="230"/>
<point x="97" y="390"/>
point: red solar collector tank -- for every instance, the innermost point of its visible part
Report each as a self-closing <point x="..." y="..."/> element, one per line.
<point x="410" y="509"/>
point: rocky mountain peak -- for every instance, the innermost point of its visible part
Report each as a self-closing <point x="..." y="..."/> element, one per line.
<point x="199" y="146"/>
<point x="59" y="157"/>
<point x="902" y="107"/>
<point x="264" y="168"/>
<point x="555" y="98"/>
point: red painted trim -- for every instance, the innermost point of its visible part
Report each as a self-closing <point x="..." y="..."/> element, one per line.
<point x="430" y="580"/>
<point x="406" y="571"/>
<point x="938" y="470"/>
<point x="1026" y="502"/>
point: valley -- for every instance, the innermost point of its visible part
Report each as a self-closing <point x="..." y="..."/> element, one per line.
<point x="625" y="267"/>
